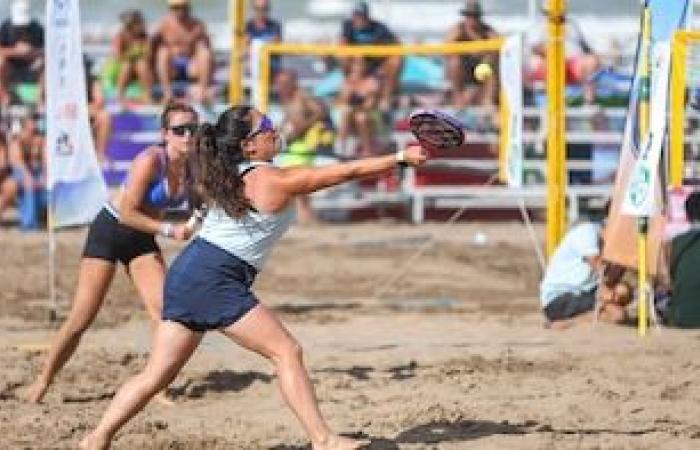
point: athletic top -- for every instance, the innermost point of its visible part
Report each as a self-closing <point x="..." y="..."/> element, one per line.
<point x="249" y="237"/>
<point x="157" y="195"/>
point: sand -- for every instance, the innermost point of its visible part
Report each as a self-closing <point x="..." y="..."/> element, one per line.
<point x="451" y="356"/>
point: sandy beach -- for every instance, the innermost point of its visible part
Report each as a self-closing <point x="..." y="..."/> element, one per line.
<point x="453" y="355"/>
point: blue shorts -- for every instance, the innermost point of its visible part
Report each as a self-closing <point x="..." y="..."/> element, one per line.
<point x="208" y="288"/>
<point x="181" y="66"/>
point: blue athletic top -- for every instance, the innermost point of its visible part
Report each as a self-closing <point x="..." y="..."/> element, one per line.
<point x="249" y="237"/>
<point x="157" y="195"/>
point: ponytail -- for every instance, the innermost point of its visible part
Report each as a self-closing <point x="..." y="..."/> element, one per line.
<point x="218" y="154"/>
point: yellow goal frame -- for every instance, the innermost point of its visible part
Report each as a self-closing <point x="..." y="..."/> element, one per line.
<point x="679" y="68"/>
<point x="453" y="48"/>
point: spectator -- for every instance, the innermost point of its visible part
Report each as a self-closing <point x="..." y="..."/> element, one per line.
<point x="21" y="51"/>
<point x="100" y="120"/>
<point x="183" y="51"/>
<point x="581" y="60"/>
<point x="358" y="101"/>
<point x="130" y="59"/>
<point x="466" y="89"/>
<point x="29" y="170"/>
<point x="306" y="128"/>
<point x="363" y="30"/>
<point x="262" y="28"/>
<point x="684" y="306"/>
<point x="8" y="185"/>
<point x="572" y="282"/>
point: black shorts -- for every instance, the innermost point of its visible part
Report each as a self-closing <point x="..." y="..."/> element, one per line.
<point x="569" y="305"/>
<point x="112" y="241"/>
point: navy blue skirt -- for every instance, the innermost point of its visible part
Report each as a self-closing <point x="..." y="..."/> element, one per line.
<point x="208" y="288"/>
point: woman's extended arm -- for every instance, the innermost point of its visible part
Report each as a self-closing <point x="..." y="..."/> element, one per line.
<point x="273" y="188"/>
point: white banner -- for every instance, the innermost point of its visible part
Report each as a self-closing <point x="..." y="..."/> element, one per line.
<point x="76" y="187"/>
<point x="511" y="79"/>
<point x="639" y="198"/>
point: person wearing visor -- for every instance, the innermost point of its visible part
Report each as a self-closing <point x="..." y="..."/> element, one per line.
<point x="208" y="286"/>
<point x="183" y="52"/>
<point x="21" y="50"/>
<point x="123" y="232"/>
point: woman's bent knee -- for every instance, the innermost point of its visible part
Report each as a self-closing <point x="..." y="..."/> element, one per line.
<point x="290" y="350"/>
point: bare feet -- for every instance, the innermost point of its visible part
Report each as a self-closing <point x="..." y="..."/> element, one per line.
<point x="91" y="442"/>
<point x="340" y="443"/>
<point x="36" y="391"/>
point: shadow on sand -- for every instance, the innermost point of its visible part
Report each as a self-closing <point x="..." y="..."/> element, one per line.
<point x="437" y="432"/>
<point x="218" y="381"/>
<point x="433" y="433"/>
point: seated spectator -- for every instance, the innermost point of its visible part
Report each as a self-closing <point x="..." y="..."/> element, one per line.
<point x="100" y="119"/>
<point x="21" y="51"/>
<point x="8" y="185"/>
<point x="363" y="30"/>
<point x="130" y="60"/>
<point x="183" y="52"/>
<point x="581" y="61"/>
<point x="466" y="89"/>
<point x="573" y="284"/>
<point x="29" y="170"/>
<point x="261" y="27"/>
<point x="358" y="101"/>
<point x="684" y="305"/>
<point x="307" y="129"/>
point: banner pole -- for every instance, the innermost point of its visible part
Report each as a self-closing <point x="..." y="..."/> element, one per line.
<point x="53" y="301"/>
<point x="643" y="221"/>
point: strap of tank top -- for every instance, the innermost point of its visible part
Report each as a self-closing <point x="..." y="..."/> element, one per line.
<point x="248" y="166"/>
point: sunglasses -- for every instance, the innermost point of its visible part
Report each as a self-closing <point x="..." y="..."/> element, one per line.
<point x="264" y="126"/>
<point x="185" y="128"/>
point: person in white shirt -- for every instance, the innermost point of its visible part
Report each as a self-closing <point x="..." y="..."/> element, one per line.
<point x="573" y="281"/>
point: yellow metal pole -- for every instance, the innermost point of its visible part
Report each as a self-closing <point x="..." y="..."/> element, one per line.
<point x="679" y="53"/>
<point x="556" y="144"/>
<point x="237" y="18"/>
<point x="643" y="222"/>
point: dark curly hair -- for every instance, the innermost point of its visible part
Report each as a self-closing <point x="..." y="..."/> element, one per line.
<point x="218" y="153"/>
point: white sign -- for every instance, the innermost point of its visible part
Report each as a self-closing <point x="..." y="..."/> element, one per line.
<point x="76" y="187"/>
<point x="639" y="198"/>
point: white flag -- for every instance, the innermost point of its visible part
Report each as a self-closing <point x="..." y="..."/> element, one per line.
<point x="76" y="187"/>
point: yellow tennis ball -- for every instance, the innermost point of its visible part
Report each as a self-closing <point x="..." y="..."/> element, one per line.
<point x="483" y="71"/>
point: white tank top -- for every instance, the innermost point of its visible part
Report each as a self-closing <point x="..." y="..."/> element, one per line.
<point x="249" y="237"/>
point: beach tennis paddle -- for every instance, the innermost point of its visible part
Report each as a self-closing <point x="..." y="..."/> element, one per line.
<point x="436" y="129"/>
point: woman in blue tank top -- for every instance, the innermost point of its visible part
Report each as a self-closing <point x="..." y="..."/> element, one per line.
<point x="208" y="286"/>
<point x="124" y="231"/>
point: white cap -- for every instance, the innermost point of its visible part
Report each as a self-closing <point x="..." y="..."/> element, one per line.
<point x="20" y="15"/>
